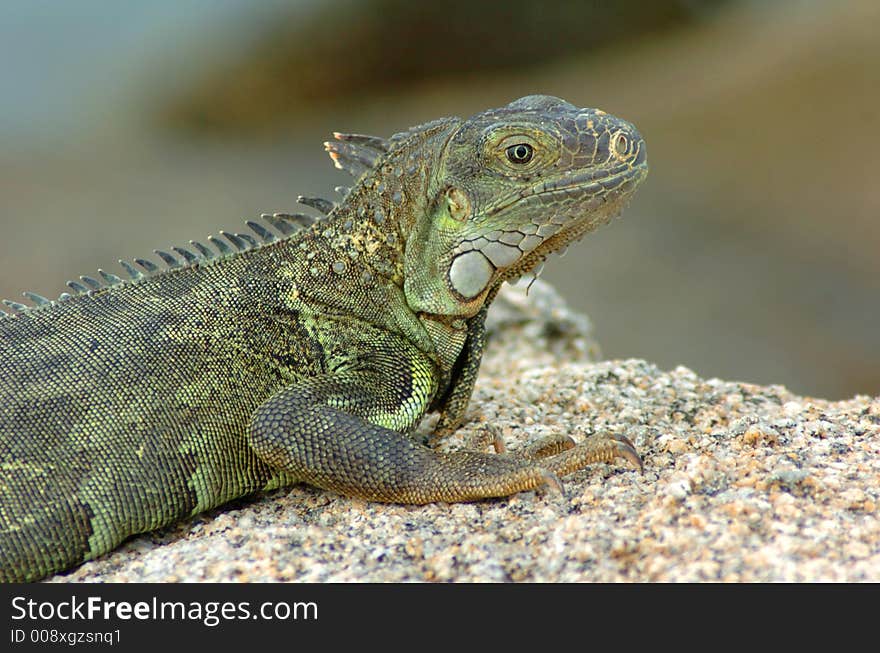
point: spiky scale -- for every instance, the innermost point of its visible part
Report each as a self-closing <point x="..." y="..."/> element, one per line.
<point x="168" y="258"/>
<point x="149" y="266"/>
<point x="77" y="287"/>
<point x="317" y="203"/>
<point x="15" y="305"/>
<point x="93" y="283"/>
<point x="261" y="231"/>
<point x="237" y="242"/>
<point x="222" y="247"/>
<point x="354" y="160"/>
<point x="206" y="252"/>
<point x="372" y="142"/>
<point x="354" y="168"/>
<point x="187" y="255"/>
<point x="132" y="271"/>
<point x="39" y="300"/>
<point x="111" y="279"/>
<point x="301" y="219"/>
<point x="343" y="190"/>
<point x="280" y="222"/>
<point x="249" y="240"/>
<point x="63" y="297"/>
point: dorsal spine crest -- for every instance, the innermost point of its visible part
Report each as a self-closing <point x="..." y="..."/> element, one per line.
<point x="356" y="153"/>
<point x="286" y="224"/>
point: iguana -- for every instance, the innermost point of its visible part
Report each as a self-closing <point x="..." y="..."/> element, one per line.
<point x="302" y="355"/>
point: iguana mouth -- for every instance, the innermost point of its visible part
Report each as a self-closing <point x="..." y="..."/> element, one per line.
<point x="578" y="199"/>
<point x="592" y="182"/>
<point x="592" y="204"/>
<point x="577" y="186"/>
<point x="575" y="205"/>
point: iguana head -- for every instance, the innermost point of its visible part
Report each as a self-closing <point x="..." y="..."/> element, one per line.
<point x="513" y="185"/>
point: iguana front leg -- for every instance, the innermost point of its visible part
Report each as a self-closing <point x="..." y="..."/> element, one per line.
<point x="336" y="432"/>
<point x="456" y="402"/>
<point x="346" y="432"/>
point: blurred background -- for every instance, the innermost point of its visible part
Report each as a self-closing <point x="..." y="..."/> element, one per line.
<point x="751" y="253"/>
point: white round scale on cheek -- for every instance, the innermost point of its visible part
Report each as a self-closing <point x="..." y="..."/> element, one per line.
<point x="470" y="273"/>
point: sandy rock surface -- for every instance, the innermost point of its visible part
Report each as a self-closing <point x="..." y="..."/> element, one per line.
<point x="741" y="483"/>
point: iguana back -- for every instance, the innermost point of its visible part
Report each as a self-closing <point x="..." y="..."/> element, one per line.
<point x="126" y="409"/>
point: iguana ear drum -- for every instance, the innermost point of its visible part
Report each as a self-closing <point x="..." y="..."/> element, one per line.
<point x="470" y="273"/>
<point x="458" y="204"/>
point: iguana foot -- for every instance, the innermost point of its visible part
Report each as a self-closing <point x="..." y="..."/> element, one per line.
<point x="490" y="434"/>
<point x="539" y="464"/>
<point x="546" y="447"/>
<point x="598" y="448"/>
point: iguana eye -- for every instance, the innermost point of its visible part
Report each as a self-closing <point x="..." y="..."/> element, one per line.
<point x="520" y="153"/>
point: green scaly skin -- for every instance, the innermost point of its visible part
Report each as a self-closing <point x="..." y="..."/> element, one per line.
<point x="308" y="357"/>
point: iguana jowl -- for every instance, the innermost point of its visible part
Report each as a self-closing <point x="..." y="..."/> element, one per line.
<point x="308" y="356"/>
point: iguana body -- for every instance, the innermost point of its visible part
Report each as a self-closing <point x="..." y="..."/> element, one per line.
<point x="308" y="357"/>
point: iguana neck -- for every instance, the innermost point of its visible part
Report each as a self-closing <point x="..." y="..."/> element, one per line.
<point x="368" y="232"/>
<point x="353" y="261"/>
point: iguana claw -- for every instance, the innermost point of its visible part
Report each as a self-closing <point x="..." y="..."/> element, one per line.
<point x="627" y="450"/>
